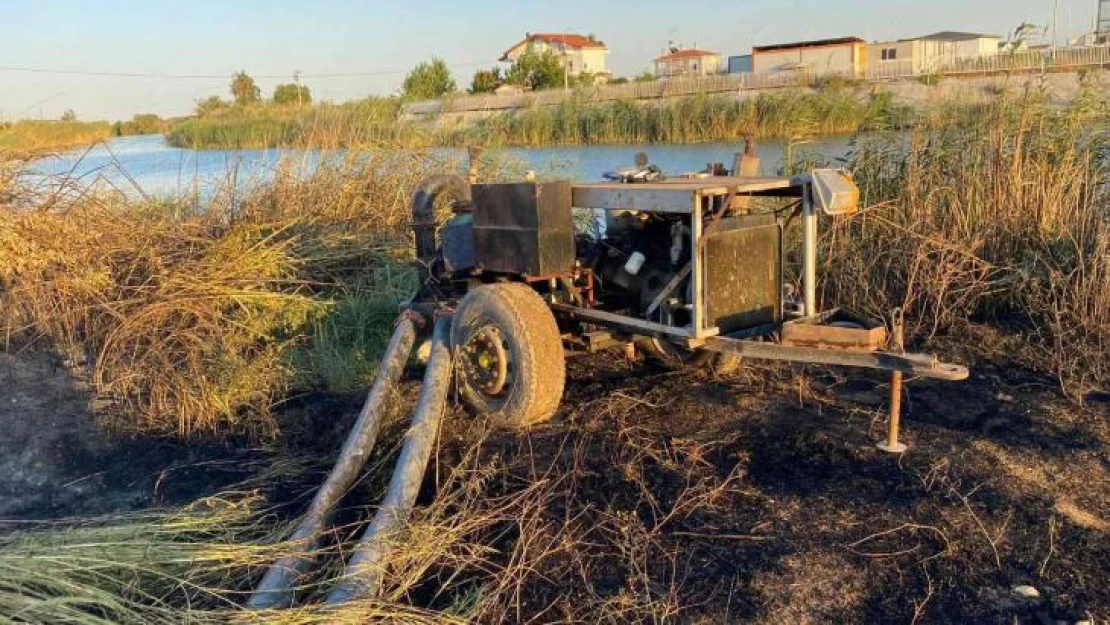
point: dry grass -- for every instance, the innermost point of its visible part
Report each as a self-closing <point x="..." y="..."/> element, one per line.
<point x="194" y="565"/>
<point x="999" y="216"/>
<point x="198" y="320"/>
<point x="29" y="137"/>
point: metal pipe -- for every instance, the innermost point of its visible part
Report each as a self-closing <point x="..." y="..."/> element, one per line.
<point x="278" y="586"/>
<point x="362" y="578"/>
<point x="809" y="242"/>
<point x="746" y="166"/>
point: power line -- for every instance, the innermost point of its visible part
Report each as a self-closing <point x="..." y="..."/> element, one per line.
<point x="79" y="72"/>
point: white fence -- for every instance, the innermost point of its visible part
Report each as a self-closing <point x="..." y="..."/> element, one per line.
<point x="1048" y="61"/>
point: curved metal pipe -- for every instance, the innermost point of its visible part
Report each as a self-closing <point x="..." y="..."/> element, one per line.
<point x="424" y="211"/>
<point x="362" y="577"/>
<point x="278" y="587"/>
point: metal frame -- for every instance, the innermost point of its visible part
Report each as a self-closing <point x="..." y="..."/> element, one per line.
<point x="683" y="196"/>
<point x="914" y="364"/>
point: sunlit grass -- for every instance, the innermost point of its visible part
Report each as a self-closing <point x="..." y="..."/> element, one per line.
<point x="38" y="136"/>
<point x="702" y="118"/>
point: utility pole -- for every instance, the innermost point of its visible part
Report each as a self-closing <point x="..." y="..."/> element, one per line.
<point x="297" y="83"/>
<point x="566" y="71"/>
<point x="566" y="66"/>
<point x="1055" y="20"/>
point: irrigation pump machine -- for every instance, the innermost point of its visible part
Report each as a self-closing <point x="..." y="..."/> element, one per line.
<point x="690" y="271"/>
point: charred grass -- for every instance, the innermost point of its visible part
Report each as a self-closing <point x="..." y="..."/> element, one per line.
<point x="657" y="497"/>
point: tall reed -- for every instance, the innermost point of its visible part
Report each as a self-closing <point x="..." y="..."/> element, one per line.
<point x="38" y="136"/>
<point x="188" y="319"/>
<point x="995" y="214"/>
<point x="572" y="122"/>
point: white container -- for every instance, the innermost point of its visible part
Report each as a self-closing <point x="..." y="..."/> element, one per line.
<point x="635" y="263"/>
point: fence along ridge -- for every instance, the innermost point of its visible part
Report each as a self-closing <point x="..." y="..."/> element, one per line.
<point x="725" y="83"/>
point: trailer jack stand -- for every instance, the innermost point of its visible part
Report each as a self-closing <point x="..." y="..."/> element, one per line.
<point x="892" y="445"/>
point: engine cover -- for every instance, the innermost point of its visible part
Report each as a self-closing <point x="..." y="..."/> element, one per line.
<point x="524" y="228"/>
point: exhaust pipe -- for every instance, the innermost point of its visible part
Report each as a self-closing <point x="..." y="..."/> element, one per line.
<point x="278" y="587"/>
<point x="362" y="578"/>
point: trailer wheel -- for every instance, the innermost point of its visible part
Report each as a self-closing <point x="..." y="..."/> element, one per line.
<point x="675" y="356"/>
<point x="509" y="355"/>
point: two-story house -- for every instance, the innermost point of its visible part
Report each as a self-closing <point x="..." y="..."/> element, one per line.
<point x="688" y="62"/>
<point x="579" y="54"/>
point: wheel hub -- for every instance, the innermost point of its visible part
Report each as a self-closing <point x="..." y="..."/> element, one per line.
<point x="486" y="361"/>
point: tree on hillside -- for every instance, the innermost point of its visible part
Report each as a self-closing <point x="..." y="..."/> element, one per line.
<point x="69" y="116"/>
<point x="292" y="94"/>
<point x="243" y="89"/>
<point x="536" y="70"/>
<point x="428" y="80"/>
<point x="210" y="105"/>
<point x="485" y="80"/>
<point x="141" y="124"/>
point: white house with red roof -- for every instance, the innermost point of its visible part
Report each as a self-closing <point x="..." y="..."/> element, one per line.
<point x="580" y="54"/>
<point x="688" y="62"/>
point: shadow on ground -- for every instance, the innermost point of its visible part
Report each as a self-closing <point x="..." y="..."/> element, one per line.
<point x="56" y="462"/>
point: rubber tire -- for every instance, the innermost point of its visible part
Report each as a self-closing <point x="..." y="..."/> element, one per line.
<point x="675" y="357"/>
<point x="535" y="348"/>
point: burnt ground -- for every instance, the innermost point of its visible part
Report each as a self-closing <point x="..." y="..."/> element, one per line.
<point x="763" y="498"/>
<point x="55" y="462"/>
<point x="756" y="498"/>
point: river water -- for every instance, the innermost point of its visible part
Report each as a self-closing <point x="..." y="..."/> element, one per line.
<point x="146" y="165"/>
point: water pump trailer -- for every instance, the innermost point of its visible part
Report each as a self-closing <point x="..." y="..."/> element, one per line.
<point x="690" y="271"/>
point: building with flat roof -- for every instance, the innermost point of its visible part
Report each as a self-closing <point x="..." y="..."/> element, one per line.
<point x="950" y="48"/>
<point x="845" y="56"/>
<point x="1102" y="27"/>
<point x="931" y="53"/>
<point x="740" y="64"/>
<point x="688" y="62"/>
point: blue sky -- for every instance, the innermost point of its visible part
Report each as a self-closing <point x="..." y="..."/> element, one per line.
<point x="383" y="39"/>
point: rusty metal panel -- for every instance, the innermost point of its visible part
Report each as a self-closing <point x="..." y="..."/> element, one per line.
<point x="743" y="275"/>
<point x="524" y="228"/>
<point x="836" y="329"/>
